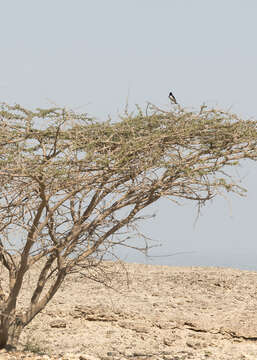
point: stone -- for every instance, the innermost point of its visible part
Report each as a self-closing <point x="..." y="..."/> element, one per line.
<point x="138" y="326"/>
<point x="58" y="324"/>
<point x="94" y="313"/>
<point x="87" y="357"/>
<point x="169" y="341"/>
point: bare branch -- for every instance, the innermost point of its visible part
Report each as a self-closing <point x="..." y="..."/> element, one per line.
<point x="73" y="189"/>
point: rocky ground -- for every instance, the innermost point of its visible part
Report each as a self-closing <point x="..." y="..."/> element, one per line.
<point x="158" y="312"/>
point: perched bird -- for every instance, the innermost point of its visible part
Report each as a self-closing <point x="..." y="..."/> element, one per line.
<point x="172" y="98"/>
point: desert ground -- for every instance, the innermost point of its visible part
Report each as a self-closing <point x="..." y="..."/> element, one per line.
<point x="152" y="313"/>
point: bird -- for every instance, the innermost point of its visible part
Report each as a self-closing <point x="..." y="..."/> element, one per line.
<point x="172" y="98"/>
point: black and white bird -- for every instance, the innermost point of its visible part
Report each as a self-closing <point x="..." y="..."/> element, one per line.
<point x="172" y="98"/>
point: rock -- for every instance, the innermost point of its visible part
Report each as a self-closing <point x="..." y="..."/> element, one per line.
<point x="112" y="353"/>
<point x="58" y="324"/>
<point x="94" y="313"/>
<point x="169" y="340"/>
<point x="138" y="326"/>
<point x="87" y="357"/>
<point x="194" y="344"/>
<point x="165" y="325"/>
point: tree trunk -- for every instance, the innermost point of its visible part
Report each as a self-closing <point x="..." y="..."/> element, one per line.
<point x="10" y="333"/>
<point x="3" y="336"/>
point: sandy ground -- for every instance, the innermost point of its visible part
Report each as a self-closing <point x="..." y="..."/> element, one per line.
<point x="162" y="312"/>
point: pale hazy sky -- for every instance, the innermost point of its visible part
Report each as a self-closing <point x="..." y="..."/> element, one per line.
<point x="93" y="55"/>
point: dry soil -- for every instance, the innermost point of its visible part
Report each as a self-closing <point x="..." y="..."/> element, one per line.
<point x="156" y="312"/>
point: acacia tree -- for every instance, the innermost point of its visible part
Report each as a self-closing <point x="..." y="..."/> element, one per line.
<point x="73" y="188"/>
